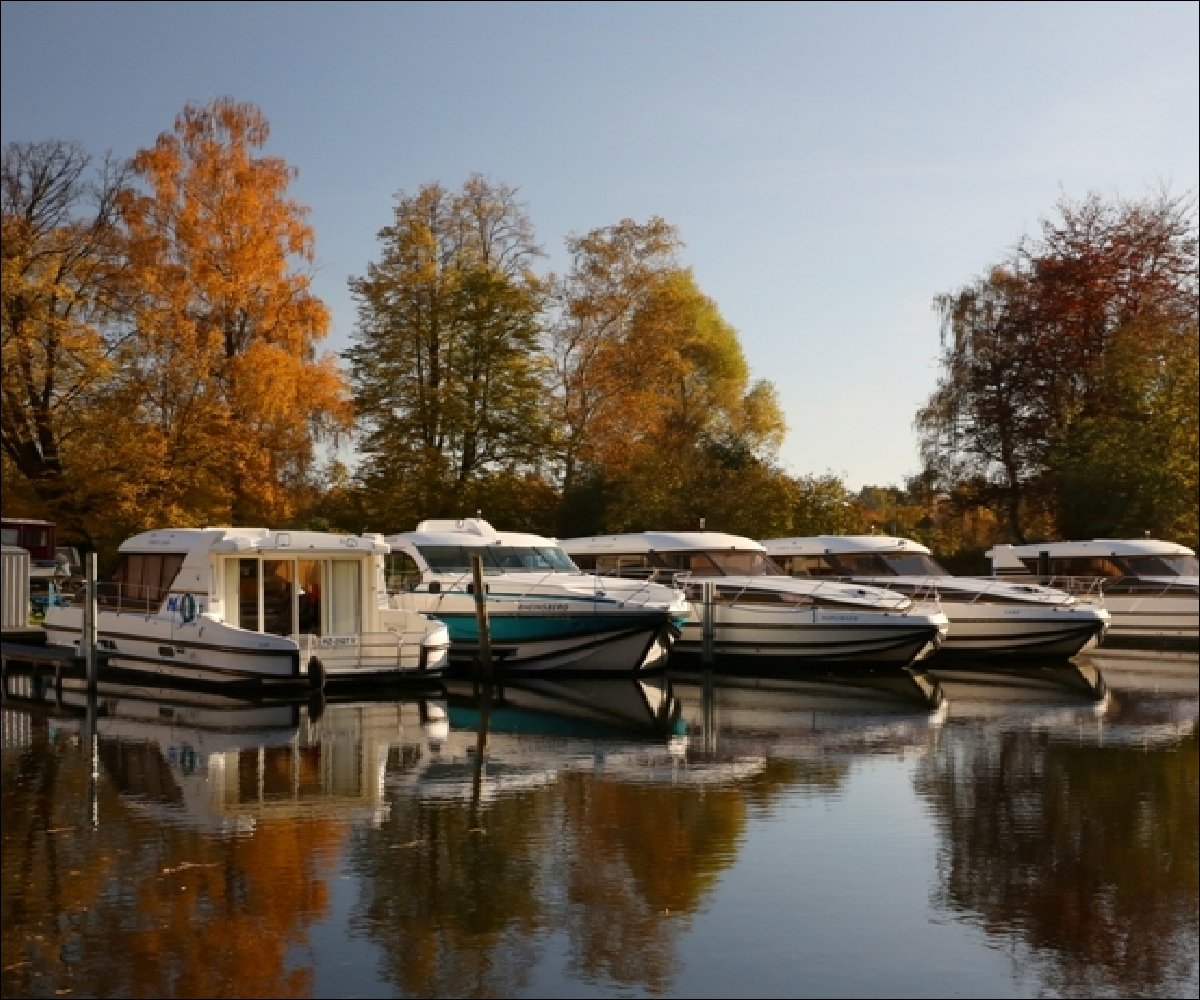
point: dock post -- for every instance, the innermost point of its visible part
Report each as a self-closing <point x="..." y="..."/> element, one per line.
<point x="89" y="620"/>
<point x="707" y="592"/>
<point x="484" y="669"/>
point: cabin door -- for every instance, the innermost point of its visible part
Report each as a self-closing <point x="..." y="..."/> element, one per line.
<point x="308" y="572"/>
<point x="279" y="596"/>
<point x="344" y="611"/>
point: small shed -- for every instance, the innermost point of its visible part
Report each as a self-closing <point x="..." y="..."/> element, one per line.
<point x="15" y="588"/>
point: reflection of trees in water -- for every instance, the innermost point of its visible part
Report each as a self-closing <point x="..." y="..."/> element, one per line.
<point x="460" y="902"/>
<point x="110" y="911"/>
<point x="455" y="901"/>
<point x="1084" y="858"/>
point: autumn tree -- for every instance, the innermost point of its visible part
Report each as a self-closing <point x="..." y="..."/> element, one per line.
<point x="1069" y="375"/>
<point x="223" y="395"/>
<point x="63" y="254"/>
<point x="448" y="371"/>
<point x="660" y="416"/>
<point x="986" y="417"/>
<point x="613" y="273"/>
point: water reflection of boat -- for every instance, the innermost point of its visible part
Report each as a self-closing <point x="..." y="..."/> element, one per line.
<point x="211" y="760"/>
<point x="853" y="710"/>
<point x="1155" y="693"/>
<point x="1016" y="692"/>
<point x="575" y="706"/>
<point x="1157" y="670"/>
<point x="527" y="734"/>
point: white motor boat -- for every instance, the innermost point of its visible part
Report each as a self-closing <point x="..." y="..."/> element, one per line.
<point x="743" y="606"/>
<point x="988" y="617"/>
<point x="543" y="614"/>
<point x="256" y="607"/>
<point x="1150" y="587"/>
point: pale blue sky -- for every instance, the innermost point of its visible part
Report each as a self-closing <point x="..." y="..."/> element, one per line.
<point x="830" y="167"/>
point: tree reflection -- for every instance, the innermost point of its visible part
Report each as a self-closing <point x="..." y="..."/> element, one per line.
<point x="463" y="900"/>
<point x="105" y="909"/>
<point x="1083" y="858"/>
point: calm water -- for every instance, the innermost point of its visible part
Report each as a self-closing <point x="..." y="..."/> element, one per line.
<point x="1035" y="835"/>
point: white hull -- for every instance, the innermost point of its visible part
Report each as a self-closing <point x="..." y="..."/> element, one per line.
<point x="616" y="653"/>
<point x="820" y="637"/>
<point x="1153" y="622"/>
<point x="209" y="652"/>
<point x="992" y="630"/>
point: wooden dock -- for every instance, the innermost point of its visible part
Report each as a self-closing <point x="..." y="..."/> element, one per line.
<point x="25" y="651"/>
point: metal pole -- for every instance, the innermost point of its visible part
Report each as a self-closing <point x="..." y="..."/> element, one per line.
<point x="481" y="618"/>
<point x="89" y="620"/>
<point x="707" y="590"/>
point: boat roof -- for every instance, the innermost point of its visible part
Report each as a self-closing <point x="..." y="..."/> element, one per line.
<point x="467" y="531"/>
<point x="1097" y="547"/>
<point x="225" y="539"/>
<point x="812" y="545"/>
<point x="661" y="541"/>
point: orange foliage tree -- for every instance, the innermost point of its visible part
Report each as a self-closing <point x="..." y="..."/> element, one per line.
<point x="655" y="401"/>
<point x="222" y="391"/>
<point x="63" y="254"/>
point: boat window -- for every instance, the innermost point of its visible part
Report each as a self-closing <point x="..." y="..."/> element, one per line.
<point x="308" y="575"/>
<point x="497" y="558"/>
<point x="446" y="558"/>
<point x="738" y="562"/>
<point x="403" y="573"/>
<point x="1161" y="565"/>
<point x="911" y="564"/>
<point x="1077" y="566"/>
<point x="557" y="559"/>
<point x="279" y="596"/>
<point x="817" y="565"/>
<point x="638" y="566"/>
<point x="861" y="564"/>
<point x="528" y="557"/>
<point x="143" y="578"/>
<point x="245" y="593"/>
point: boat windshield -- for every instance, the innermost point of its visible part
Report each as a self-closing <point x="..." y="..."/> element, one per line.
<point x="1183" y="564"/>
<point x="894" y="564"/>
<point x="719" y="562"/>
<point x="498" y="558"/>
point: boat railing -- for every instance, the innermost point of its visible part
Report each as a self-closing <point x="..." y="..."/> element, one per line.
<point x="530" y="584"/>
<point x="131" y="597"/>
<point x="1085" y="588"/>
<point x="1099" y="587"/>
<point x="353" y="651"/>
<point x="924" y="596"/>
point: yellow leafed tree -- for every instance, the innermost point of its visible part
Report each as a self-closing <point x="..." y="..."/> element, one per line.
<point x="223" y="388"/>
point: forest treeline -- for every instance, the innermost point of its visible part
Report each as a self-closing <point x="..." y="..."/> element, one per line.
<point x="162" y="366"/>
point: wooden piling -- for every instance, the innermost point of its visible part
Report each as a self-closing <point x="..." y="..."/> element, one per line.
<point x="484" y="661"/>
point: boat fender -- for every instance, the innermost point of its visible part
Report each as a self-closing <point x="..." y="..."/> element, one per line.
<point x="187" y="608"/>
<point x="316" y="674"/>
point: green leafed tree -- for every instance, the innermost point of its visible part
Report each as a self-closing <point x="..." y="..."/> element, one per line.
<point x="449" y="375"/>
<point x="1069" y="376"/>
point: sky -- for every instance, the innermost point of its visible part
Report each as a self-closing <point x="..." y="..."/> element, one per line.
<point x="831" y="168"/>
